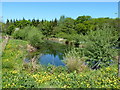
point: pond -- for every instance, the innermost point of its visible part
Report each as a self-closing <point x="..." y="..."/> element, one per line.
<point x="52" y="53"/>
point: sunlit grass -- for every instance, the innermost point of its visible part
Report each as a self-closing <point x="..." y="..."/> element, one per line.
<point x="13" y="76"/>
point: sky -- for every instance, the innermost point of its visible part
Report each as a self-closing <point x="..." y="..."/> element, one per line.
<point x="51" y="10"/>
<point x="60" y="0"/>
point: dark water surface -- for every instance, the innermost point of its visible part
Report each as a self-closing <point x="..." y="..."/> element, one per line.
<point x="52" y="53"/>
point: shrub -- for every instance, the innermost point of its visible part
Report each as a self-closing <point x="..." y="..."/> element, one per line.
<point x="75" y="61"/>
<point x="35" y="37"/>
<point x="31" y="34"/>
<point x="22" y="33"/>
<point x="10" y="29"/>
<point x="99" y="46"/>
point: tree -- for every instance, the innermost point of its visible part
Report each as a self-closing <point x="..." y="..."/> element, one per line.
<point x="61" y="20"/>
<point x="31" y="34"/>
<point x="23" y="18"/>
<point x="10" y="29"/>
<point x="55" y="22"/>
<point x="81" y="19"/>
<point x="21" y="24"/>
<point x="11" y="21"/>
<point x="98" y="46"/>
<point x="7" y="21"/>
<point x="14" y="21"/>
<point x="81" y="28"/>
<point x="65" y="26"/>
<point x="35" y="22"/>
<point x="46" y="28"/>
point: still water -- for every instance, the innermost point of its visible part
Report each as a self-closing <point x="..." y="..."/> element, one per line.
<point x="52" y="53"/>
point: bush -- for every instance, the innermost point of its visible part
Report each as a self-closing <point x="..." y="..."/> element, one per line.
<point x="35" y="37"/>
<point x="99" y="46"/>
<point x="74" y="61"/>
<point x="31" y="34"/>
<point x="10" y="29"/>
<point x="22" y="33"/>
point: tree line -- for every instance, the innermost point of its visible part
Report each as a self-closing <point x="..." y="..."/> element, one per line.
<point x="62" y="27"/>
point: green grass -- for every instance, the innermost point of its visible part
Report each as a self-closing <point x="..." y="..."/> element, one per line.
<point x="104" y="78"/>
<point x="13" y="55"/>
<point x="1" y="40"/>
<point x="13" y="75"/>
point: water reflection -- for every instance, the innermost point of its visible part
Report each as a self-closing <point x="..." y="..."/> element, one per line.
<point x="52" y="53"/>
<point x="51" y="59"/>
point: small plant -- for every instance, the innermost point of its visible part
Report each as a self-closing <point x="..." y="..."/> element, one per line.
<point x="74" y="62"/>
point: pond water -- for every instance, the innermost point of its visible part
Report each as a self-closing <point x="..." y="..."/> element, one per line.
<point x="52" y="53"/>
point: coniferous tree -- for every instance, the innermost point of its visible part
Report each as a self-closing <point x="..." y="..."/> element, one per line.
<point x="11" y="21"/>
<point x="7" y="21"/>
<point x="55" y="22"/>
<point x="42" y="21"/>
<point x="14" y="21"/>
<point x="23" y="18"/>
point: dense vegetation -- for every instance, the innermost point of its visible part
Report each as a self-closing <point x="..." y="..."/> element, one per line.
<point x="95" y="41"/>
<point x="62" y="27"/>
<point x="31" y="34"/>
<point x="15" y="75"/>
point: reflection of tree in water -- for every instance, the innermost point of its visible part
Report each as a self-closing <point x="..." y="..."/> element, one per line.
<point x="52" y="48"/>
<point x="49" y="47"/>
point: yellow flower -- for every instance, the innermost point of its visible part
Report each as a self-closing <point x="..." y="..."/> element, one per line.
<point x="80" y="75"/>
<point x="15" y="71"/>
<point x="108" y="68"/>
<point x="58" y="75"/>
<point x="88" y="85"/>
<point x="8" y="84"/>
<point x="65" y="86"/>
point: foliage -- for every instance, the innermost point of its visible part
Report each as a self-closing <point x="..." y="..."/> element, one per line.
<point x="46" y="28"/>
<point x="22" y="23"/>
<point x="98" y="36"/>
<point x="103" y="78"/>
<point x="81" y="19"/>
<point x="21" y="34"/>
<point x="81" y="28"/>
<point x="16" y="77"/>
<point x="31" y="34"/>
<point x="67" y="25"/>
<point x="10" y="29"/>
<point x="75" y="61"/>
<point x="13" y="60"/>
<point x="98" y="47"/>
<point x="35" y="37"/>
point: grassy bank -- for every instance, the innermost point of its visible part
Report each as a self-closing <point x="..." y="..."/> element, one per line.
<point x="14" y="76"/>
<point x="13" y="54"/>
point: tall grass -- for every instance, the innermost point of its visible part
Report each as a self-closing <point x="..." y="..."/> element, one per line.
<point x="75" y="62"/>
